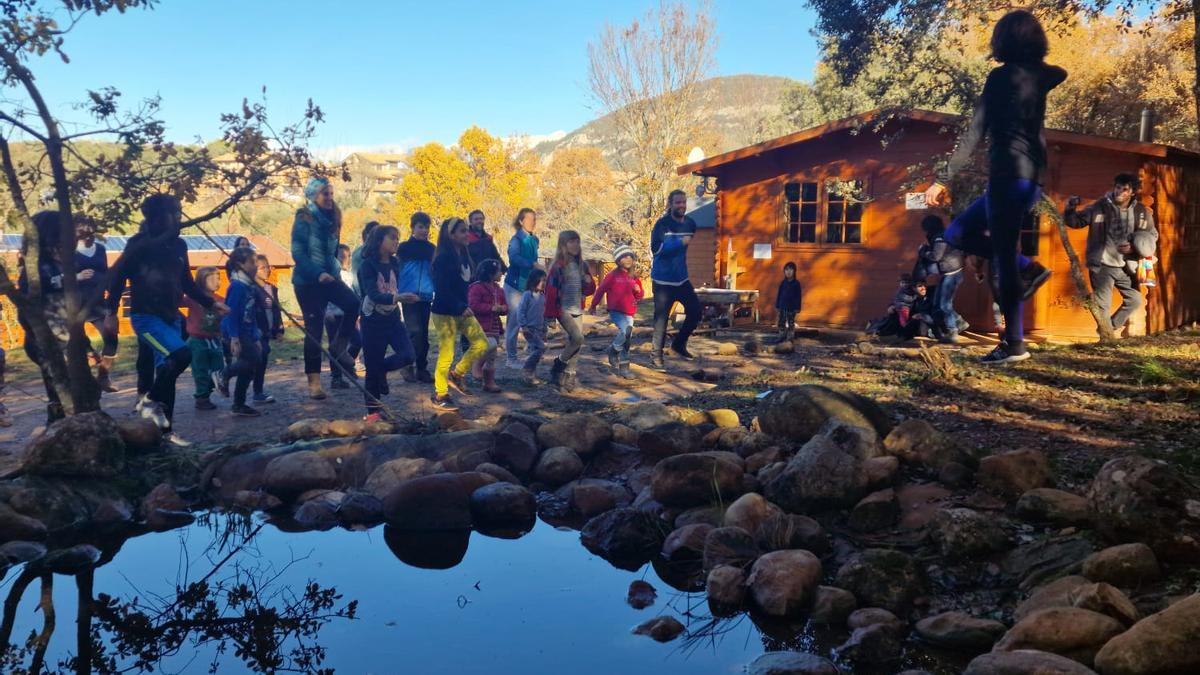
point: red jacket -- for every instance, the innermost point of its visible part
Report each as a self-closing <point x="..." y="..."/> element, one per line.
<point x="623" y="289"/>
<point x="480" y="298"/>
<point x="554" y="282"/>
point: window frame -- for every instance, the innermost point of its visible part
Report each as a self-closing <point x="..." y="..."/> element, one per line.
<point x="822" y="223"/>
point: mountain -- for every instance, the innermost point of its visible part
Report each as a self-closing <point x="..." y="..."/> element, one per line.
<point x="736" y="106"/>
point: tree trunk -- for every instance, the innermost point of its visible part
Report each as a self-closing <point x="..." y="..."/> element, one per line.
<point x="1196" y="56"/>
<point x="83" y="627"/>
<point x="1103" y="321"/>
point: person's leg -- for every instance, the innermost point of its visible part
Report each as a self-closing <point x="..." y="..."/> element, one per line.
<point x="469" y="326"/>
<point x="686" y="295"/>
<point x="260" y="373"/>
<point x="622" y="321"/>
<point x="511" y="327"/>
<point x="447" y="332"/>
<point x="1007" y="204"/>
<point x="332" y="323"/>
<point x="171" y="356"/>
<point x="573" y="326"/>
<point x="345" y="300"/>
<point x="946" y="290"/>
<point x="535" y="348"/>
<point x="1131" y="297"/>
<point x="145" y="368"/>
<point x="374" y="344"/>
<point x="312" y="300"/>
<point x="416" y="320"/>
<point x="403" y="354"/>
<point x="201" y="376"/>
<point x="1102" y="289"/>
<point x="968" y="232"/>
<point x="245" y="365"/>
<point x="664" y="299"/>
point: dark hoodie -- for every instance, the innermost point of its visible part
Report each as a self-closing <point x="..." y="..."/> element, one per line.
<point x="481" y="247"/>
<point x="157" y="269"/>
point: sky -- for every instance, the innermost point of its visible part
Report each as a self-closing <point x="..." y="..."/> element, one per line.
<point x="388" y="74"/>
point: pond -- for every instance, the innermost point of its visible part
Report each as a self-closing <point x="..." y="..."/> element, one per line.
<point x="538" y="604"/>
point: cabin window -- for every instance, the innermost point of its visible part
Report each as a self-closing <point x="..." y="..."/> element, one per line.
<point x="843" y="215"/>
<point x="801" y="205"/>
<point x="1031" y="229"/>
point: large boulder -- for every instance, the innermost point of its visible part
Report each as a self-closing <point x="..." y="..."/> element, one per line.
<point x="643" y="416"/>
<point x="831" y="606"/>
<point x="749" y="512"/>
<point x="876" y="511"/>
<point x="695" y="479"/>
<point x="965" y="533"/>
<point x="16" y="527"/>
<point x="558" y="466"/>
<point x="1053" y="506"/>
<point x="1067" y="631"/>
<point x="782" y="583"/>
<point x="673" y="438"/>
<point x="1107" y="600"/>
<point x="798" y="413"/>
<point x="822" y="475"/>
<point x="723" y="418"/>
<point x="1057" y="593"/>
<point x="726" y="589"/>
<point x="959" y="631"/>
<point x="870" y="616"/>
<point x="883" y="578"/>
<point x="729" y="546"/>
<point x="360" y="508"/>
<point x="289" y="475"/>
<point x="87" y="445"/>
<point x="869" y="647"/>
<point x="686" y="544"/>
<point x="917" y="441"/>
<point x="791" y="663"/>
<point x="1012" y="474"/>
<point x="140" y="434"/>
<point x="503" y="506"/>
<point x="388" y="475"/>
<point x="1127" y="565"/>
<point x="592" y="496"/>
<point x="585" y="434"/>
<point x="1165" y="642"/>
<point x="1139" y="499"/>
<point x="516" y="448"/>
<point x="784" y="530"/>
<point x="1025" y="662"/>
<point x="436" y="502"/>
<point x="625" y="537"/>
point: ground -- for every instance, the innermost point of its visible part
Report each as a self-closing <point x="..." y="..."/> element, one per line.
<point x="1081" y="404"/>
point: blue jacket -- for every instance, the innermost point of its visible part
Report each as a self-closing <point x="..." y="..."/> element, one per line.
<point x="416" y="268"/>
<point x="242" y="320"/>
<point x="669" y="264"/>
<point x="522" y="256"/>
<point x="314" y="246"/>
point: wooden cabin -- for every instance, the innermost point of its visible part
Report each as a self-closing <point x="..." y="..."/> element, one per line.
<point x="774" y="205"/>
<point x="201" y="253"/>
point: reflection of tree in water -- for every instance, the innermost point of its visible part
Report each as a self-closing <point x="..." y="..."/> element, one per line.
<point x="239" y="605"/>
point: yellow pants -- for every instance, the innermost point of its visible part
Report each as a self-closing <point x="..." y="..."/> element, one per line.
<point x="448" y="329"/>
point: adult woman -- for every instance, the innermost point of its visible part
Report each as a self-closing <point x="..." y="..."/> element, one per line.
<point x="450" y="314"/>
<point x="522" y="259"/>
<point x="1011" y="113"/>
<point x="567" y="285"/>
<point x="317" y="280"/>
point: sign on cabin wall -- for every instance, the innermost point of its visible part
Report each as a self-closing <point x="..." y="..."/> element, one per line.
<point x="914" y="201"/>
<point x="762" y="251"/>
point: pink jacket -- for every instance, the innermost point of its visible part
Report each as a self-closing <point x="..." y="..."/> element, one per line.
<point x="480" y="298"/>
<point x="623" y="289"/>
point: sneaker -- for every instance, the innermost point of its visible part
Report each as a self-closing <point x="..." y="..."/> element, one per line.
<point x="223" y="384"/>
<point x="175" y="440"/>
<point x="153" y="411"/>
<point x="682" y="353"/>
<point x="443" y="402"/>
<point x="374" y="417"/>
<point x="531" y="378"/>
<point x="1001" y="355"/>
<point x="949" y="337"/>
<point x="425" y="377"/>
<point x="458" y="382"/>
<point x="263" y="397"/>
<point x="514" y="364"/>
<point x="140" y="403"/>
<point x="205" y="404"/>
<point x="1032" y="278"/>
<point x="243" y="410"/>
<point x="624" y="372"/>
<point x="657" y="363"/>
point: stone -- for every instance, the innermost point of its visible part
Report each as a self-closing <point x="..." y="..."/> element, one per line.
<point x="1126" y="565"/>
<point x="729" y="546"/>
<point x="959" y="631"/>
<point x="585" y="434"/>
<point x="641" y="594"/>
<point x="783" y="531"/>
<point x="917" y="441"/>
<point x="1105" y="599"/>
<point x="15" y="526"/>
<point x="534" y="422"/>
<point x="625" y="537"/>
<point x="316" y="514"/>
<point x="592" y="496"/>
<point x="448" y="420"/>
<point x="871" y="645"/>
<point x="881" y="471"/>
<point x="756" y="462"/>
<point x="558" y="466"/>
<point x="498" y="472"/>
<point x="347" y="428"/>
<point x="695" y="479"/>
<point x="822" y="475"/>
<point x="1067" y="631"/>
<point x="1136" y="499"/>
<point x="877" y="511"/>
<point x="724" y="418"/>
<point x="289" y="475"/>
<point x="1012" y="474"/>
<point x="434" y="502"/>
<point x="643" y="416"/>
<point x="1042" y="560"/>
<point x="384" y="479"/>
<point x="1057" y="593"/>
<point x="1025" y="662"/>
<point x="831" y="606"/>
<point x="686" y="544"/>
<point x="749" y="442"/>
<point x="17" y="552"/>
<point x="726" y="589"/>
<point x="660" y="628"/>
<point x="87" y="445"/>
<point x="966" y="533"/>
<point x="139" y="434"/>
<point x="625" y="435"/>
<point x="306" y="429"/>
<point x="883" y="578"/>
<point x="516" y="448"/>
<point x="163" y="496"/>
<point x="1053" y="506"/>
<point x="360" y="508"/>
<point x="955" y="475"/>
<point x="503" y="506"/>
<point x="1161" y="643"/>
<point x="667" y="440"/>
<point x="791" y="663"/>
<point x="165" y="520"/>
<point x="255" y="500"/>
<point x="784" y="347"/>
<point x="749" y="512"/>
<point x="798" y="413"/>
<point x="710" y="515"/>
<point x="70" y="560"/>
<point x="727" y="349"/>
<point x="783" y="583"/>
<point x="875" y="616"/>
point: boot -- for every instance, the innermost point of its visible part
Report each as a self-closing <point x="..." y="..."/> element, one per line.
<point x="791" y="335"/>
<point x="556" y="373"/>
<point x="782" y="335"/>
<point x="337" y="349"/>
<point x="623" y="365"/>
<point x="614" y="358"/>
<point x="569" y="383"/>
<point x="102" y="370"/>
<point x="314" y="387"/>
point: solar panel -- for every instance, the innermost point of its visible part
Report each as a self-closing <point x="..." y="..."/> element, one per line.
<point x="194" y="242"/>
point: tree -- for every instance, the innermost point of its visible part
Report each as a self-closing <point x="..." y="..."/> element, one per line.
<point x="439" y="182"/>
<point x="105" y="188"/>
<point x="646" y="77"/>
<point x="580" y="190"/>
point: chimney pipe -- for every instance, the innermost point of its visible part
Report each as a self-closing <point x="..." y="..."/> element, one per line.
<point x="1146" y="134"/>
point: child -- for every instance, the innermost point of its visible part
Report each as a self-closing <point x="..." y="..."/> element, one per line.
<point x="897" y="312"/>
<point x="333" y="323"/>
<point x="451" y="316"/>
<point x="381" y="324"/>
<point x="91" y="268"/>
<point x="787" y="302"/>
<point x="624" y="290"/>
<point x="919" y="320"/>
<point x="416" y="293"/>
<point x="486" y="300"/>
<point x="204" y="337"/>
<point x="240" y="327"/>
<point x="270" y="324"/>
<point x="531" y="319"/>
<point x="567" y="284"/>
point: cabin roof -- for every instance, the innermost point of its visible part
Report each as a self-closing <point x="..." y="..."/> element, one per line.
<point x="708" y="166"/>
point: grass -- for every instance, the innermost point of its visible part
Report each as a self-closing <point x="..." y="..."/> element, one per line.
<point x="1153" y="371"/>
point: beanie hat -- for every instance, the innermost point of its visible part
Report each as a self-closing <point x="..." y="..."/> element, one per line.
<point x="621" y="251"/>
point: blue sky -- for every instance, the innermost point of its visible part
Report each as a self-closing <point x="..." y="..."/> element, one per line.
<point x="389" y="73"/>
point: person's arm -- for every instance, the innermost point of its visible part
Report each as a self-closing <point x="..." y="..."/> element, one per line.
<point x="665" y="244"/>
<point x="479" y="299"/>
<point x="1076" y="218"/>
<point x="779" y="295"/>
<point x="638" y="291"/>
<point x="235" y="299"/>
<point x="368" y="273"/>
<point x="604" y="287"/>
<point x="117" y="281"/>
<point x="1150" y="226"/>
<point x="516" y="256"/>
<point x="937" y="251"/>
<point x="971" y="136"/>
<point x="301" y="229"/>
<point x="190" y="289"/>
<point x="502" y="303"/>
